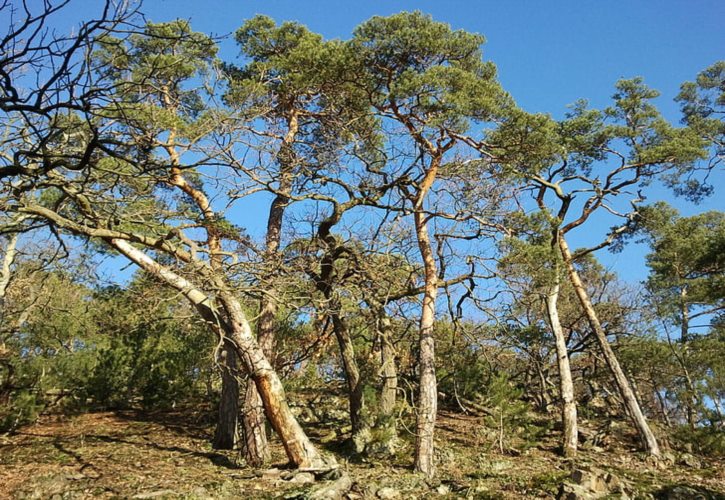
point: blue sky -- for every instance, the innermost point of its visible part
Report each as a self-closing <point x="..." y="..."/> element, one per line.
<point x="549" y="53"/>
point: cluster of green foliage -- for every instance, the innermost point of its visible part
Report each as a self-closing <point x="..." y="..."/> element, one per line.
<point x="96" y="348"/>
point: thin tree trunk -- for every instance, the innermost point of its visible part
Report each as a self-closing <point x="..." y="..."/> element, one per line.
<point x="623" y="385"/>
<point x="8" y="259"/>
<point x="663" y="406"/>
<point x="226" y="435"/>
<point x="5" y="274"/>
<point x="428" y="390"/>
<point x="300" y="450"/>
<point x="693" y="396"/>
<point x="543" y="393"/>
<point x="325" y="283"/>
<point x="352" y="374"/>
<point x="566" y="384"/>
<point x="388" y="371"/>
<point x="428" y="385"/>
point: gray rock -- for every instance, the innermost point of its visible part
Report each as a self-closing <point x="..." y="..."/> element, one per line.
<point x="592" y="483"/>
<point x="334" y="490"/>
<point x="683" y="492"/>
<point x="272" y="473"/>
<point x="690" y="461"/>
<point x="201" y="493"/>
<point x="303" y="478"/>
<point x="387" y="493"/>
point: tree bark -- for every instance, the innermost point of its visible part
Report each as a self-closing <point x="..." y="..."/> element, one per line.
<point x="226" y="436"/>
<point x="625" y="389"/>
<point x="5" y="273"/>
<point x="566" y="384"/>
<point x="388" y="371"/>
<point x="428" y="390"/>
<point x="352" y="373"/>
<point x="428" y="385"/>
<point x="235" y="327"/>
<point x="256" y="448"/>
<point x="693" y="396"/>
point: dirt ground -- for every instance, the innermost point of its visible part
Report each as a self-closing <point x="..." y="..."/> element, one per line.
<point x="167" y="455"/>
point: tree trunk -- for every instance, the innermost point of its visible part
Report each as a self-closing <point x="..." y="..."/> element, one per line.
<point x="5" y="273"/>
<point x="300" y="450"/>
<point x="256" y="449"/>
<point x="388" y="371"/>
<point x="226" y="436"/>
<point x="693" y="396"/>
<point x="566" y="384"/>
<point x="352" y="375"/>
<point x="625" y="389"/>
<point x="663" y="406"/>
<point x="428" y="390"/>
<point x="325" y="282"/>
<point x="542" y="399"/>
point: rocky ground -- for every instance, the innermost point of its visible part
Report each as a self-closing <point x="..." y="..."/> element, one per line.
<point x="167" y="455"/>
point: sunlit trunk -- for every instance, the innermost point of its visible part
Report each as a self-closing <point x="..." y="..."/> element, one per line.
<point x="255" y="446"/>
<point x="428" y="391"/>
<point x="566" y="384"/>
<point x="235" y="327"/>
<point x="625" y="389"/>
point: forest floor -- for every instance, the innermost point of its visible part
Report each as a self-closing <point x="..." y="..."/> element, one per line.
<point x="167" y="455"/>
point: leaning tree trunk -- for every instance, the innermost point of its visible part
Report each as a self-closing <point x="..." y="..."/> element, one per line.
<point x="226" y="435"/>
<point x="255" y="446"/>
<point x="623" y="385"/>
<point x="428" y="390"/>
<point x="256" y="449"/>
<point x="566" y="384"/>
<point x="234" y="326"/>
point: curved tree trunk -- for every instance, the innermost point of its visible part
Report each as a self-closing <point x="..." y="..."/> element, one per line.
<point x="226" y="435"/>
<point x="566" y="384"/>
<point x="256" y="448"/>
<point x="625" y="389"/>
<point x="234" y="326"/>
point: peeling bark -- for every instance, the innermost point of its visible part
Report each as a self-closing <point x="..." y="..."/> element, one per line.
<point x="235" y="327"/>
<point x="256" y="448"/>
<point x="428" y="392"/>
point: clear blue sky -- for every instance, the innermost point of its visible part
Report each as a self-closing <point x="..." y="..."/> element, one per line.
<point x="549" y="53"/>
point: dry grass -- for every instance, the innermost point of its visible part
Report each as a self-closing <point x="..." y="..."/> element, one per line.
<point x="167" y="455"/>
